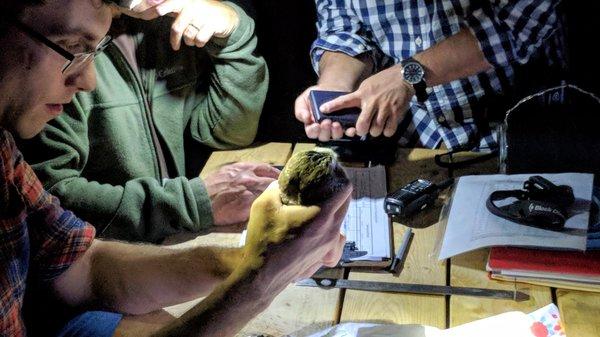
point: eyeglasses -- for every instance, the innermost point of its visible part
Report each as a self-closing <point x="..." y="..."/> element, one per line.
<point x="75" y="62"/>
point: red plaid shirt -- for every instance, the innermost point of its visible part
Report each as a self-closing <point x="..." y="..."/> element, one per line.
<point x="37" y="237"/>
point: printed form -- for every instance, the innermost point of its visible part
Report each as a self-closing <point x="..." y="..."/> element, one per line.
<point x="366" y="223"/>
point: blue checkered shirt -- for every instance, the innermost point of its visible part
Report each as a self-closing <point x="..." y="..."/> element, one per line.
<point x="510" y="34"/>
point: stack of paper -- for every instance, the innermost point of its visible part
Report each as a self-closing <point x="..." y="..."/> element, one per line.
<point x="552" y="268"/>
<point x="470" y="225"/>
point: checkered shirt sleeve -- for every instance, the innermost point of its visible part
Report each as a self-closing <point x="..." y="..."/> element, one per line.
<point x="57" y="236"/>
<point x="340" y="30"/>
<point x="510" y="31"/>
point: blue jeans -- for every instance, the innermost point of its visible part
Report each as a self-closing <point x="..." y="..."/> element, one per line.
<point x="91" y="324"/>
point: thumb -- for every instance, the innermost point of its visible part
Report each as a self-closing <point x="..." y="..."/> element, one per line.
<point x="139" y="6"/>
<point x="168" y="6"/>
<point x="296" y="215"/>
<point x="346" y="101"/>
<point x="302" y="109"/>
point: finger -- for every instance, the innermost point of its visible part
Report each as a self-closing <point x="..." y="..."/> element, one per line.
<point x="145" y="14"/>
<point x="302" y="108"/>
<point x="266" y="170"/>
<point x="335" y="254"/>
<point x="325" y="130"/>
<point x="247" y="166"/>
<point x="391" y="126"/>
<point x="178" y="28"/>
<point x="363" y="123"/>
<point x="143" y="6"/>
<point x="340" y="214"/>
<point x="170" y="6"/>
<point x="250" y="180"/>
<point x="296" y="215"/>
<point x="377" y="123"/>
<point x="269" y="199"/>
<point x="203" y="36"/>
<point x="350" y="132"/>
<point x="337" y="131"/>
<point x="312" y="130"/>
<point x="260" y="184"/>
<point x="189" y="35"/>
<point x="241" y="203"/>
<point x="346" y="101"/>
<point x="337" y="201"/>
<point x="230" y="193"/>
<point x="311" y="270"/>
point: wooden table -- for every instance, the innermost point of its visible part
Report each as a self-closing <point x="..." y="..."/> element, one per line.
<point x="302" y="310"/>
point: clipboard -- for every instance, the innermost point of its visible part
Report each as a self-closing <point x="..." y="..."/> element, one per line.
<point x="367" y="227"/>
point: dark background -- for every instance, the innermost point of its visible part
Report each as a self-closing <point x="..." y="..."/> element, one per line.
<point x="286" y="29"/>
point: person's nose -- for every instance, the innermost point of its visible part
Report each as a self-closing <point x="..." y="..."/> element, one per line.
<point x="84" y="79"/>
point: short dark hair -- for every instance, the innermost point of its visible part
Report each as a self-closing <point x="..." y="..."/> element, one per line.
<point x="13" y="8"/>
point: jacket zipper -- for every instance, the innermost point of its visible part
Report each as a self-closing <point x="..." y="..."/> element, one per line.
<point x="162" y="164"/>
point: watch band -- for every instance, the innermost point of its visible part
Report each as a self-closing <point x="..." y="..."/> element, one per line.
<point x="421" y="91"/>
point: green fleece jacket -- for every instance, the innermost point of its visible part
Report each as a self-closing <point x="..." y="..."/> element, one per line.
<point x="100" y="158"/>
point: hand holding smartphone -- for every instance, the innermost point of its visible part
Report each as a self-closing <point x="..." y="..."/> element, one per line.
<point x="346" y="117"/>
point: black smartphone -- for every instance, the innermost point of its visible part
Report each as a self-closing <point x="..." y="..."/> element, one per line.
<point x="346" y="117"/>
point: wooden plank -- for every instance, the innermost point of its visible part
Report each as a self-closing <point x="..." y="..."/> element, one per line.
<point x="420" y="266"/>
<point x="298" y="310"/>
<point x="303" y="147"/>
<point x="295" y="310"/>
<point x="271" y="153"/>
<point x="468" y="270"/>
<point x="580" y="312"/>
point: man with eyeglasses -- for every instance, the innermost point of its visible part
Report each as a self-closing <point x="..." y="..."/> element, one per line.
<point x="127" y="155"/>
<point x="52" y="268"/>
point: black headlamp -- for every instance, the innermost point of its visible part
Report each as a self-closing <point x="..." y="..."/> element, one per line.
<point x="539" y="204"/>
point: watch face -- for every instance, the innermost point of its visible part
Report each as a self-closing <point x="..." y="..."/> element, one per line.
<point x="413" y="72"/>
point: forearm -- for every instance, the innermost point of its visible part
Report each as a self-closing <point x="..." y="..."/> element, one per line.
<point x="343" y="72"/>
<point x="138" y="279"/>
<point x="226" y="310"/>
<point x="456" y="57"/>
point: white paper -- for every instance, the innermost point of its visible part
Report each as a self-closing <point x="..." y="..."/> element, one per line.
<point x="508" y="324"/>
<point x="471" y="226"/>
<point x="366" y="222"/>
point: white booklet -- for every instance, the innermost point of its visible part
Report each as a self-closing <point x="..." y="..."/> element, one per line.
<point x="366" y="223"/>
<point x="471" y="226"/>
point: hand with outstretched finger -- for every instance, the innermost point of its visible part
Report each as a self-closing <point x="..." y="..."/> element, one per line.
<point x="196" y="21"/>
<point x="383" y="99"/>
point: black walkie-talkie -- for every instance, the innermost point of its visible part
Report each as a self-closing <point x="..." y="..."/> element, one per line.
<point x="415" y="196"/>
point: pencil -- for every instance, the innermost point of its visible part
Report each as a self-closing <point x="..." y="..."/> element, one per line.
<point x="398" y="262"/>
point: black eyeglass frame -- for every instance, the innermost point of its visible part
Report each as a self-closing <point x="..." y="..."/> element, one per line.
<point x="70" y="57"/>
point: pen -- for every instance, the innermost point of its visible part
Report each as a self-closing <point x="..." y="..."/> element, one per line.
<point x="398" y="262"/>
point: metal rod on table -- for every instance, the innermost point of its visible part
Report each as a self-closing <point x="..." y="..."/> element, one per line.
<point x="413" y="288"/>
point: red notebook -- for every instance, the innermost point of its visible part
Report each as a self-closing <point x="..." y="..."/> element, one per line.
<point x="551" y="261"/>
